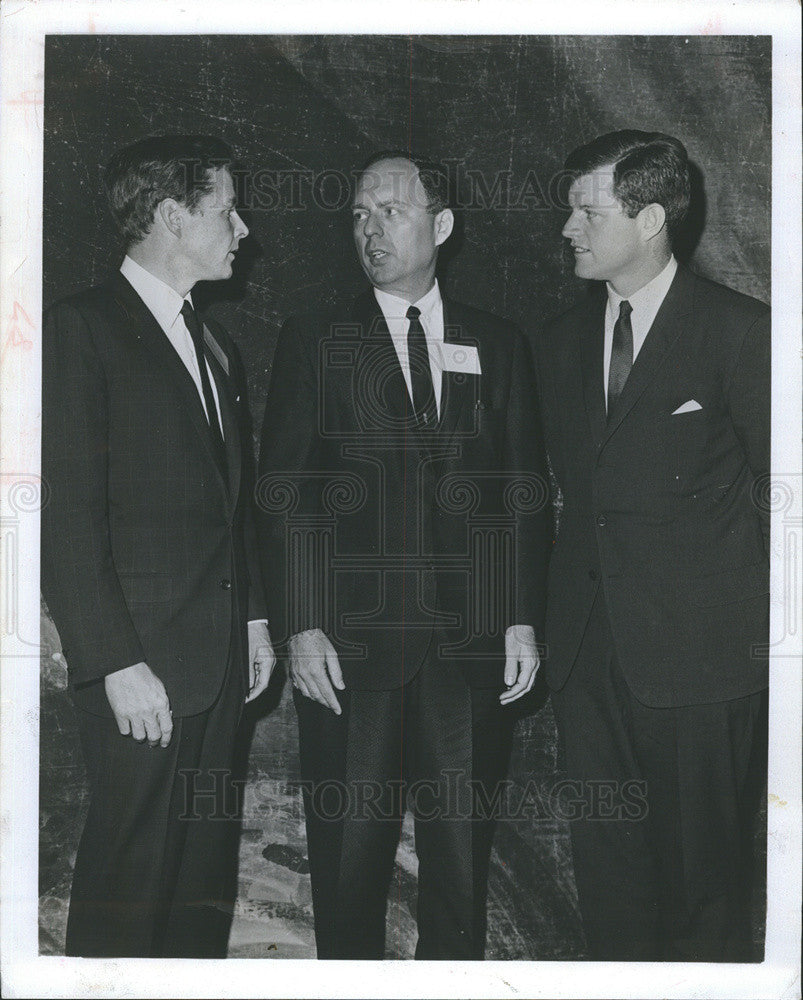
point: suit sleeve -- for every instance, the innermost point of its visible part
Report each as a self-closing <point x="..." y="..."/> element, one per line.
<point x="79" y="580"/>
<point x="749" y="391"/>
<point x="548" y="410"/>
<point x="286" y="487"/>
<point x="525" y="455"/>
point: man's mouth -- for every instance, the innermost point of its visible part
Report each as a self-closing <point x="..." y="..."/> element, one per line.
<point x="579" y="250"/>
<point x="376" y="256"/>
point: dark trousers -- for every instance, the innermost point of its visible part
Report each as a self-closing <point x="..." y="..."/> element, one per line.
<point x="429" y="744"/>
<point x="660" y="807"/>
<point x="155" y="873"/>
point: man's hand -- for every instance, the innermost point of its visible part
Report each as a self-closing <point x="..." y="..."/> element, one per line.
<point x="261" y="659"/>
<point x="314" y="667"/>
<point x="521" y="662"/>
<point x="140" y="704"/>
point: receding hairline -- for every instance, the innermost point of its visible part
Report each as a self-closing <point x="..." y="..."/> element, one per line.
<point x="374" y="164"/>
<point x="412" y="169"/>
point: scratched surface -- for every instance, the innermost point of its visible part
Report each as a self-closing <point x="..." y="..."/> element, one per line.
<point x="314" y="104"/>
<point x="505" y="111"/>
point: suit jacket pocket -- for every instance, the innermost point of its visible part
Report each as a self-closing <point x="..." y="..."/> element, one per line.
<point x="686" y="442"/>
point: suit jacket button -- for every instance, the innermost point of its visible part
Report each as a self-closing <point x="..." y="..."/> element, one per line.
<point x="602" y="520"/>
<point x="225" y="584"/>
<point x="592" y="574"/>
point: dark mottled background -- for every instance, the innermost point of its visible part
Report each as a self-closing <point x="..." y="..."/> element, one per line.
<point x="501" y="107"/>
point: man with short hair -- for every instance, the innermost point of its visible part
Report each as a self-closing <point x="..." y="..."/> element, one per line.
<point x="147" y="557"/>
<point x="656" y="402"/>
<point x="404" y="509"/>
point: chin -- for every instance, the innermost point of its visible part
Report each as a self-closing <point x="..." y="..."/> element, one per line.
<point x="586" y="273"/>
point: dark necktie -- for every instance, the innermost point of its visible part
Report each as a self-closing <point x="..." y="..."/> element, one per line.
<point x="194" y="327"/>
<point x="420" y="374"/>
<point x="621" y="354"/>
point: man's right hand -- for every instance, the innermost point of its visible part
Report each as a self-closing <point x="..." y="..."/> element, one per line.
<point x="314" y="667"/>
<point x="140" y="704"/>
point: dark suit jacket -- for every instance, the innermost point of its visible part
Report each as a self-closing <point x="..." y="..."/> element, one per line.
<point x="664" y="511"/>
<point x="145" y="549"/>
<point x="378" y="533"/>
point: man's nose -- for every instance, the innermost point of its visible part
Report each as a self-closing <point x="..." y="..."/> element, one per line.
<point x="371" y="226"/>
<point x="240" y="228"/>
<point x="572" y="226"/>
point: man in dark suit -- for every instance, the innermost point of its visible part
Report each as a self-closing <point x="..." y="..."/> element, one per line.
<point x="404" y="510"/>
<point x="147" y="549"/>
<point x="656" y="401"/>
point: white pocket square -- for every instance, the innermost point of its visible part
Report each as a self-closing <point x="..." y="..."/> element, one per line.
<point x="688" y="407"/>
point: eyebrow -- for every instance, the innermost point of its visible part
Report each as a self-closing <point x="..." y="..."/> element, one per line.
<point x="592" y="205"/>
<point x="379" y="204"/>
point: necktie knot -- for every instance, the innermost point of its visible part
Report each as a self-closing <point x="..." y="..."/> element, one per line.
<point x="413" y="313"/>
<point x="625" y="309"/>
<point x="189" y="317"/>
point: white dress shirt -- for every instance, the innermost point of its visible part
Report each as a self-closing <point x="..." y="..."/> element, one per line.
<point x="394" y="309"/>
<point x="165" y="303"/>
<point x="645" y="303"/>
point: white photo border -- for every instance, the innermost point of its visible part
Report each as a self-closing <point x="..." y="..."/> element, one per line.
<point x="23" y="27"/>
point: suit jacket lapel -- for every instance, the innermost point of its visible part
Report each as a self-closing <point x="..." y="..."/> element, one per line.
<point x="379" y="374"/>
<point x="215" y="355"/>
<point x="144" y="327"/>
<point x="665" y="330"/>
<point x="456" y="389"/>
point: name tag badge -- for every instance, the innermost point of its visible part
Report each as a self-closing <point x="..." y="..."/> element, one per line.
<point x="464" y="358"/>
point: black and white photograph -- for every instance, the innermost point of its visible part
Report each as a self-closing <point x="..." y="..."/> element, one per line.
<point x="402" y="501"/>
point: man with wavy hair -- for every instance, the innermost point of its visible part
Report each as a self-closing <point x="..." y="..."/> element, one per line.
<point x="656" y="402"/>
<point x="146" y="546"/>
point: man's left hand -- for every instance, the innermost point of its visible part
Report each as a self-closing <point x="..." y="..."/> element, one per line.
<point x="521" y="662"/>
<point x="261" y="659"/>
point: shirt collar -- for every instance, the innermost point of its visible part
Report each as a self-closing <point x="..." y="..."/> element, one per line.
<point x="650" y="296"/>
<point x="163" y="301"/>
<point x="394" y="306"/>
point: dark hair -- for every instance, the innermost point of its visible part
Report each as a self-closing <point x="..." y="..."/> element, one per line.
<point x="140" y="176"/>
<point x="647" y="167"/>
<point x="433" y="176"/>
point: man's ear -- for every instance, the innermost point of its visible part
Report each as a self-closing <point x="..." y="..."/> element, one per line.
<point x="171" y="215"/>
<point x="444" y="224"/>
<point x="652" y="219"/>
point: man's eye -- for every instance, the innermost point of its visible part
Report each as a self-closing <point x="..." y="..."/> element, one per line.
<point x="391" y="211"/>
<point x="358" y="216"/>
